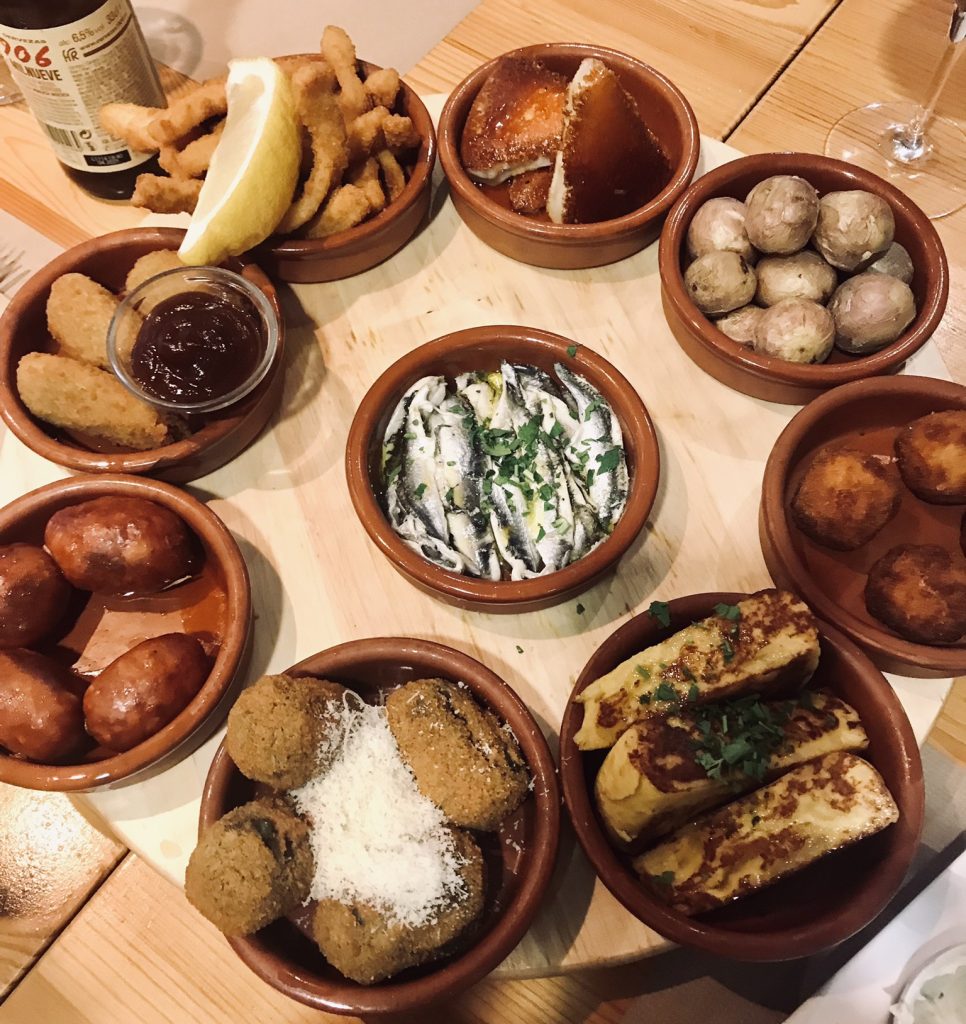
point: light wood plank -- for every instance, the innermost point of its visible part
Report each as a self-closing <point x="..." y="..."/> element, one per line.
<point x="949" y="732"/>
<point x="745" y="43"/>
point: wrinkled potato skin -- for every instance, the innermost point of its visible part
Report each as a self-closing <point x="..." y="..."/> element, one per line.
<point x="740" y="324"/>
<point x="853" y="228"/>
<point x="144" y="689"/>
<point x="120" y="545"/>
<point x="40" y="710"/>
<point x="896" y="262"/>
<point x="719" y="226"/>
<point x="871" y="311"/>
<point x="33" y="595"/>
<point x="796" y="330"/>
<point x="719" y="282"/>
<point x="803" y="275"/>
<point x="782" y="212"/>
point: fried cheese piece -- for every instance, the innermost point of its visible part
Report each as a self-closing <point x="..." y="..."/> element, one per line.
<point x="75" y="396"/>
<point x="811" y="811"/>
<point x="150" y="265"/>
<point x="393" y="176"/>
<point x="318" y="108"/>
<point x="79" y="312"/>
<point x="166" y="195"/>
<point x="382" y="87"/>
<point x="346" y="207"/>
<point x="209" y="99"/>
<point x="195" y="158"/>
<point x="771" y="644"/>
<point x="131" y="124"/>
<point x="366" y="177"/>
<point x="339" y="50"/>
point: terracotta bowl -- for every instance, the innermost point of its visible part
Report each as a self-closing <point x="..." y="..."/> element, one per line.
<point x="865" y="415"/>
<point x="215" y="607"/>
<point x="217" y="438"/>
<point x="519" y="858"/>
<point x="807" y="912"/>
<point x="309" y="260"/>
<point x="766" y="377"/>
<point x="572" y="246"/>
<point x="483" y="348"/>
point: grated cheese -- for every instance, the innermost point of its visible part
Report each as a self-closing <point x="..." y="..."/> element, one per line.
<point x="376" y="839"/>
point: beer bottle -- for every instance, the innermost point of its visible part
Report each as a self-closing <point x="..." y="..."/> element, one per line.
<point x="69" y="58"/>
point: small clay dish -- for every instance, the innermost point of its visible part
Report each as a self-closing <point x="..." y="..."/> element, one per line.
<point x="484" y="348"/>
<point x="519" y="857"/>
<point x="537" y="241"/>
<point x="808" y="912"/>
<point x="866" y="415"/>
<point x="310" y="260"/>
<point x="214" y="439"/>
<point x="214" y="606"/>
<point x="767" y="377"/>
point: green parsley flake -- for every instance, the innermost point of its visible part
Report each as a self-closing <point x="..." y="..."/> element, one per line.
<point x="609" y="461"/>
<point x="739" y="738"/>
<point x="728" y="611"/>
<point x="664" y="879"/>
<point x="420" y="490"/>
<point x="665" y="692"/>
<point x="659" y="610"/>
<point x="580" y="609"/>
<point x="693" y="692"/>
<point x="727" y="649"/>
<point x="571" y="350"/>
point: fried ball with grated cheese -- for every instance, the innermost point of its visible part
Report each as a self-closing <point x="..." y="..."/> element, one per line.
<point x="845" y="498"/>
<point x="931" y="452"/>
<point x="463" y="761"/>
<point x="367" y="946"/>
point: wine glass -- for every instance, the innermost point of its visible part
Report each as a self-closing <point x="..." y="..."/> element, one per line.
<point x="9" y="93"/>
<point x="905" y="141"/>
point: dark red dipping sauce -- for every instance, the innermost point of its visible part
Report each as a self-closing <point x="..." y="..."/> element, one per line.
<point x="196" y="347"/>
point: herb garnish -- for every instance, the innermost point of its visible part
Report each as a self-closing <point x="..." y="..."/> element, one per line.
<point x="580" y="609"/>
<point x="728" y="611"/>
<point x="659" y="610"/>
<point x="642" y="672"/>
<point x="727" y="649"/>
<point x="665" y="878"/>
<point x="519" y="649"/>
<point x="571" y="350"/>
<point x="420" y="490"/>
<point x="608" y="461"/>
<point x="739" y="737"/>
<point x="665" y="692"/>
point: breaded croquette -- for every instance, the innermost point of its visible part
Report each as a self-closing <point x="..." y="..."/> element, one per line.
<point x="931" y="452"/>
<point x="76" y="396"/>
<point x="367" y="946"/>
<point x="919" y="590"/>
<point x="150" y="265"/>
<point x="462" y="760"/>
<point x="845" y="498"/>
<point x="79" y="312"/>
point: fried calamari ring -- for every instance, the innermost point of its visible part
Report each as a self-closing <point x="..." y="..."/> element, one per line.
<point x="339" y="50"/>
<point x="382" y="87"/>
<point x="195" y="159"/>
<point x="346" y="207"/>
<point x="166" y="195"/>
<point x="366" y="177"/>
<point x="131" y="124"/>
<point x="209" y="100"/>
<point x="393" y="175"/>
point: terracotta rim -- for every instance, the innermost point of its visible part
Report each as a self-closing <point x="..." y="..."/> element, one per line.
<point x="221" y="547"/>
<point x="769" y="368"/>
<point x="941" y="661"/>
<point x="568" y="234"/>
<point x="759" y="945"/>
<point x="361" y="235"/>
<point x="635" y="422"/>
<point x="467" y="968"/>
<point x="26" y="428"/>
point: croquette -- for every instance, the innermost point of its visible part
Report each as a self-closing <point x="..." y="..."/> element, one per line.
<point x="251" y="867"/>
<point x="150" y="265"/>
<point x="845" y="498"/>
<point x="284" y="730"/>
<point x="919" y="590"/>
<point x="367" y="946"/>
<point x="79" y="312"/>
<point x="931" y="453"/>
<point x="469" y="766"/>
<point x="75" y="396"/>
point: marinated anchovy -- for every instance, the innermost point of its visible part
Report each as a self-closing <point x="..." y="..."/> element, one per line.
<point x="509" y="475"/>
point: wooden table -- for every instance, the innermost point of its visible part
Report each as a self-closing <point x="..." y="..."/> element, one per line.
<point x="747" y="47"/>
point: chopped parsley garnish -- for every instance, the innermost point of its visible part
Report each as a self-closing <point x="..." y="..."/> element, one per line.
<point x="556" y="430"/>
<point x="645" y="698"/>
<point x="609" y="460"/>
<point x="545" y="492"/>
<point x="393" y="473"/>
<point x="571" y="350"/>
<point x="519" y="649"/>
<point x="739" y="738"/>
<point x="420" y="490"/>
<point x="590" y="477"/>
<point x="642" y="672"/>
<point x="596" y="404"/>
<point x="665" y="879"/>
<point x="580" y="609"/>
<point x="727" y="649"/>
<point x="728" y="611"/>
<point x="541" y="533"/>
<point x="659" y="610"/>
<point x="665" y="692"/>
<point x="409" y="436"/>
<point x="693" y="692"/>
<point x="449" y="496"/>
<point x="805" y="700"/>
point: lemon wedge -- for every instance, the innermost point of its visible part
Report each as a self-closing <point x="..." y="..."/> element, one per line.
<point x="254" y="170"/>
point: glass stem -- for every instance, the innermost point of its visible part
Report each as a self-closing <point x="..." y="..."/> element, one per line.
<point x="915" y="131"/>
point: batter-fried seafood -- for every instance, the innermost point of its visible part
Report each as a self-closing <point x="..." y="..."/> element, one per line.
<point x="345" y="208"/>
<point x="339" y="51"/>
<point x="75" y="396"/>
<point x="366" y="177"/>
<point x="150" y="265"/>
<point x="382" y="86"/>
<point x="394" y="177"/>
<point x="79" y="312"/>
<point x="377" y="129"/>
<point x="318" y="108"/>
<point x="919" y="590"/>
<point x="195" y="158"/>
<point x="166" y="195"/>
<point x="208" y="100"/>
<point x="131" y="124"/>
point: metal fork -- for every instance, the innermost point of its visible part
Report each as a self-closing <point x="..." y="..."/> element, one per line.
<point x="12" y="273"/>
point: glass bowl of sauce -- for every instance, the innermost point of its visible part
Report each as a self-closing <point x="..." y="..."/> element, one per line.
<point x="193" y="340"/>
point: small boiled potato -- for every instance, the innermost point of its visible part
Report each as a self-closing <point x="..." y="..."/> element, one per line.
<point x="870" y="311"/>
<point x="720" y="281"/>
<point x="33" y="595"/>
<point x="144" y="689"/>
<point x="782" y="211"/>
<point x="853" y="228"/>
<point x="740" y="324"/>
<point x="40" y="708"/>
<point x="121" y="545"/>
<point x="796" y="330"/>
<point x="803" y="275"/>
<point x="719" y="226"/>
<point x="896" y="262"/>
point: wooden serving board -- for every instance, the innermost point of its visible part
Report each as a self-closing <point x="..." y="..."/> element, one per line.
<point x="318" y="581"/>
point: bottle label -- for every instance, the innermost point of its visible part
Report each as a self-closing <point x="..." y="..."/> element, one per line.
<point x="67" y="73"/>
